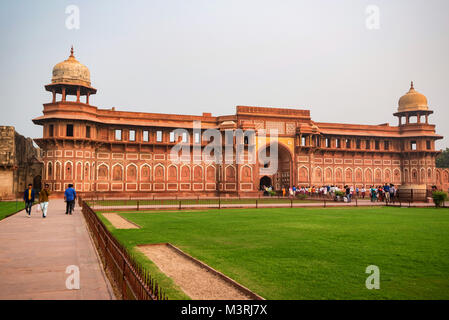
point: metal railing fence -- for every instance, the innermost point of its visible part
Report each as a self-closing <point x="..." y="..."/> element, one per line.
<point x="178" y="203"/>
<point x="129" y="278"/>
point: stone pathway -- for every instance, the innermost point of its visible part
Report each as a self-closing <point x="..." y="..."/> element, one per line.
<point x="35" y="253"/>
<point x="196" y="281"/>
<point x="119" y="222"/>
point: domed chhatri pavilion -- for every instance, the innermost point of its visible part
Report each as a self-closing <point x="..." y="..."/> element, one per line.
<point x="110" y="151"/>
<point x="70" y="77"/>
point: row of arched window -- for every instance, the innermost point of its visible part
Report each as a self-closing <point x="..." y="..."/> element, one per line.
<point x="69" y="171"/>
<point x="367" y="175"/>
<point x="118" y="172"/>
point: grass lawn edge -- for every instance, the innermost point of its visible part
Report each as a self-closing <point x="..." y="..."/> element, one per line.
<point x="169" y="287"/>
<point x="10" y="213"/>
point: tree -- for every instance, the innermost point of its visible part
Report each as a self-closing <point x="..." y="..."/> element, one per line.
<point x="442" y="160"/>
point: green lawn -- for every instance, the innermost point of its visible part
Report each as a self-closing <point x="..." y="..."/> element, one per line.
<point x="308" y="253"/>
<point x="10" y="207"/>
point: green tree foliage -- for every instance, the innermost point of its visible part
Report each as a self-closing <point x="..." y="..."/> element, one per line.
<point x="442" y="160"/>
<point x="439" y="197"/>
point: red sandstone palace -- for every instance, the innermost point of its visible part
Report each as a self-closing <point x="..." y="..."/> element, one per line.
<point x="110" y="151"/>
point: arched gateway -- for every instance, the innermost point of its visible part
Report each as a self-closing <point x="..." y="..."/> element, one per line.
<point x="283" y="176"/>
<point x="265" y="182"/>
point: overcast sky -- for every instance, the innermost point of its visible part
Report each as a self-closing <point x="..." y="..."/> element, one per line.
<point x="194" y="56"/>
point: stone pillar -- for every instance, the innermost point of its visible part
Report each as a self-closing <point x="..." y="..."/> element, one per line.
<point x="63" y="93"/>
<point x="78" y="94"/>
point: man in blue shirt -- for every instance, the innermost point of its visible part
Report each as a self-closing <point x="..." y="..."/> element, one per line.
<point x="387" y="192"/>
<point x="70" y="197"/>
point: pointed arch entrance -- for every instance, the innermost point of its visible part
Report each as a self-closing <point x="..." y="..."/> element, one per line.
<point x="265" y="181"/>
<point x="283" y="177"/>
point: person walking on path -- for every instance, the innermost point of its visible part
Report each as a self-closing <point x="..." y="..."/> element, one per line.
<point x="380" y="193"/>
<point x="290" y="192"/>
<point x="373" y="194"/>
<point x="28" y="197"/>
<point x="348" y="193"/>
<point x="392" y="192"/>
<point x="387" y="192"/>
<point x="43" y="199"/>
<point x="70" y="197"/>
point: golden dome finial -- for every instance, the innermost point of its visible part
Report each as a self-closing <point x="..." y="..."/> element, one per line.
<point x="71" y="71"/>
<point x="413" y="101"/>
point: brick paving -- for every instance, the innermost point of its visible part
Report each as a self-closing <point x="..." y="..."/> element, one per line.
<point x="35" y="252"/>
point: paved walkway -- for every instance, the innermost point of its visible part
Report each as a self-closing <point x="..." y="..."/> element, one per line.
<point x="35" y="252"/>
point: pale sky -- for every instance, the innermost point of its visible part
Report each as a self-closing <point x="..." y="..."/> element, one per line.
<point x="192" y="56"/>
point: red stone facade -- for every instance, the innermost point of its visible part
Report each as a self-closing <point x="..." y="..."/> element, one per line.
<point x="118" y="152"/>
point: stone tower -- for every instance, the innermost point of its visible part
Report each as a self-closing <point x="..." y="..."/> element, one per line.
<point x="418" y="143"/>
<point x="64" y="127"/>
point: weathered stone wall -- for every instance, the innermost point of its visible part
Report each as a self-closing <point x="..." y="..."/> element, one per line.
<point x="20" y="163"/>
<point x="6" y="183"/>
<point x="7" y="146"/>
<point x="29" y="163"/>
<point x="7" y="160"/>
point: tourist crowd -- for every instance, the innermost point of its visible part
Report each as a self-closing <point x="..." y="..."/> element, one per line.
<point x="386" y="192"/>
